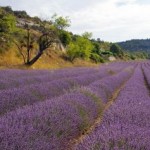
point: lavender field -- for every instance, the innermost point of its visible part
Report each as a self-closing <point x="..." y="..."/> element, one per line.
<point x="103" y="108"/>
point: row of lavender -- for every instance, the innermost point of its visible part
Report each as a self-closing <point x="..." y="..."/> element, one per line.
<point x="146" y="71"/>
<point x="13" y="73"/>
<point x="14" y="98"/>
<point x="16" y="78"/>
<point x="19" y="78"/>
<point x="126" y="125"/>
<point x="52" y="123"/>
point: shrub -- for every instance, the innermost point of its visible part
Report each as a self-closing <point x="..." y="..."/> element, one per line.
<point x="97" y="58"/>
<point x="80" y="48"/>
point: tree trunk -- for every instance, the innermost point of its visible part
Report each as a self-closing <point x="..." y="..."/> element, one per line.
<point x="33" y="60"/>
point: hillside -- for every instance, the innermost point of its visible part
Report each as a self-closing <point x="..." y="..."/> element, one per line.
<point x="136" y="45"/>
<point x="23" y="38"/>
<point x="48" y="43"/>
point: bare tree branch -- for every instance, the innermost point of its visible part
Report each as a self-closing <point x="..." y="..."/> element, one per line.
<point x="20" y="48"/>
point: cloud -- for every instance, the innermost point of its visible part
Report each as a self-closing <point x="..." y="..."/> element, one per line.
<point x="115" y="23"/>
<point x="111" y="20"/>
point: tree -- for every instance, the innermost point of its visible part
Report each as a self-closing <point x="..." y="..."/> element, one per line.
<point x="60" y="22"/>
<point x="65" y="37"/>
<point x="7" y="28"/>
<point x="27" y="44"/>
<point x="73" y="51"/>
<point x="80" y="48"/>
<point x="116" y="50"/>
<point x="7" y="23"/>
<point x="96" y="48"/>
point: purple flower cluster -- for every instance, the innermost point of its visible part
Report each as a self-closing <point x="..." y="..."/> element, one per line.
<point x="126" y="125"/>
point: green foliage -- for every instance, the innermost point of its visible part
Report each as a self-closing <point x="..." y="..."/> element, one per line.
<point x="96" y="48"/>
<point x="85" y="47"/>
<point x="108" y="53"/>
<point x="60" y="22"/>
<point x="104" y="46"/>
<point x="65" y="37"/>
<point x="96" y="58"/>
<point x="7" y="23"/>
<point x="80" y="48"/>
<point x="7" y="28"/>
<point x="73" y="51"/>
<point x="87" y="35"/>
<point x="132" y="57"/>
<point x="116" y="50"/>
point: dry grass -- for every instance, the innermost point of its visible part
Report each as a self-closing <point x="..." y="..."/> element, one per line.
<point x="49" y="60"/>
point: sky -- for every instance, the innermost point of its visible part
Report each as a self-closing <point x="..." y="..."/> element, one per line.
<point x="109" y="20"/>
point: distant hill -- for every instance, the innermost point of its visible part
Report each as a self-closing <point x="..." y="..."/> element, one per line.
<point x="136" y="45"/>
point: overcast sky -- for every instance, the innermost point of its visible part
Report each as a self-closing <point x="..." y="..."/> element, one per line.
<point x="109" y="20"/>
